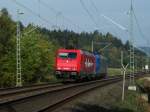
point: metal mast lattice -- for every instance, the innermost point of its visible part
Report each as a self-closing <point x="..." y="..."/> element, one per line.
<point x="132" y="64"/>
<point x="18" y="54"/>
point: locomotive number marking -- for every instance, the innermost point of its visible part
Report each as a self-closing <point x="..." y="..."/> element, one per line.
<point x="88" y="63"/>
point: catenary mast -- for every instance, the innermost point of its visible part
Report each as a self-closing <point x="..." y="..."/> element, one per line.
<point x="132" y="66"/>
<point x="18" y="53"/>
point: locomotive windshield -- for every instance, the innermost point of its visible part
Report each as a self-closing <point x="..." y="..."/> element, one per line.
<point x="70" y="55"/>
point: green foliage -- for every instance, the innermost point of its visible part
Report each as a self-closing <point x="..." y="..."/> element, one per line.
<point x="37" y="53"/>
<point x="114" y="71"/>
<point x="7" y="53"/>
<point x="37" y="56"/>
<point x="70" y="39"/>
<point x="132" y="102"/>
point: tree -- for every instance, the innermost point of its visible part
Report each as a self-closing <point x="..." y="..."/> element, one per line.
<point x="7" y="46"/>
<point x="127" y="45"/>
<point x="37" y="57"/>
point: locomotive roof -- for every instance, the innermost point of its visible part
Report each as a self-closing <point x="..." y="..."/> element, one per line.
<point x="82" y="51"/>
<point x="75" y="50"/>
<point x="68" y="50"/>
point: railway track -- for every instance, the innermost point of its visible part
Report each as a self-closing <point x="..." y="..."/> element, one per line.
<point x="47" y="98"/>
<point x="19" y="90"/>
<point x="29" y="86"/>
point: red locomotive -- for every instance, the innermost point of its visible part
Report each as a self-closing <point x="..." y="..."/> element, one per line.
<point x="74" y="64"/>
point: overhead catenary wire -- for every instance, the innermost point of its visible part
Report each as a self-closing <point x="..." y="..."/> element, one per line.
<point x="53" y="10"/>
<point x="105" y="17"/>
<point x="56" y="12"/>
<point x="35" y="27"/>
<point x="31" y="11"/>
<point x="39" y="7"/>
<point x="143" y="36"/>
<point x="88" y="12"/>
<point x="96" y="9"/>
<point x="140" y="30"/>
<point x="115" y="23"/>
<point x="120" y="26"/>
<point x="98" y="14"/>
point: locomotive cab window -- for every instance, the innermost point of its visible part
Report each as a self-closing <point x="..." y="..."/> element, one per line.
<point x="63" y="55"/>
<point x="70" y="55"/>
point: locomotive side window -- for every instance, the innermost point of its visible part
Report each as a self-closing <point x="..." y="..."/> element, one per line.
<point x="70" y="55"/>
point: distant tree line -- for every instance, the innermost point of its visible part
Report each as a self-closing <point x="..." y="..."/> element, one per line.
<point x="69" y="39"/>
<point x="38" y="49"/>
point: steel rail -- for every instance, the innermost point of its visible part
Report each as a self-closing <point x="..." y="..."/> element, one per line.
<point x="27" y="86"/>
<point x="9" y="91"/>
<point x="70" y="97"/>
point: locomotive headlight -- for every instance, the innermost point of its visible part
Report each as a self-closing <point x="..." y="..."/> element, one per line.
<point x="74" y="68"/>
<point x="59" y="68"/>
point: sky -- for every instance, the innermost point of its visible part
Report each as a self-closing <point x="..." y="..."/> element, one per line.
<point x="85" y="15"/>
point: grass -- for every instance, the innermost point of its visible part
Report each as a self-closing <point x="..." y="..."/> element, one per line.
<point x="115" y="71"/>
<point x="109" y="100"/>
<point x="132" y="102"/>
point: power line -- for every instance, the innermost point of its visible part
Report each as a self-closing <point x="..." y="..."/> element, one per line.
<point x="96" y="9"/>
<point x="139" y="28"/>
<point x="142" y="34"/>
<point x="89" y="14"/>
<point x="56" y="12"/>
<point x="99" y="16"/>
<point x="31" y="11"/>
<point x="115" y="23"/>
<point x="39" y="7"/>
